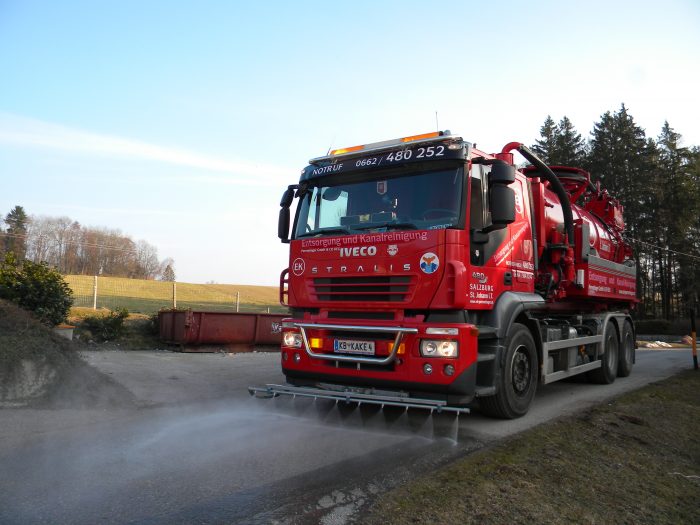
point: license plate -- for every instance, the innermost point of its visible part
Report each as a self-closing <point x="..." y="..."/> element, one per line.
<point x="351" y="346"/>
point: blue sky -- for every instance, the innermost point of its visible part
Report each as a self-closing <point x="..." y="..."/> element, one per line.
<point x="181" y="123"/>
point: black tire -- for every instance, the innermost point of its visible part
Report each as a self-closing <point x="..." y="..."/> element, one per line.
<point x="607" y="373"/>
<point x="516" y="383"/>
<point x="627" y="350"/>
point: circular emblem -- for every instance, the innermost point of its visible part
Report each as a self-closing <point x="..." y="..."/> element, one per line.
<point x="429" y="262"/>
<point x="298" y="266"/>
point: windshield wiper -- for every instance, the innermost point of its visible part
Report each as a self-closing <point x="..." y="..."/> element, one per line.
<point x="331" y="229"/>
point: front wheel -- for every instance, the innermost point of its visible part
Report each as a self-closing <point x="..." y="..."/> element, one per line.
<point x="517" y="381"/>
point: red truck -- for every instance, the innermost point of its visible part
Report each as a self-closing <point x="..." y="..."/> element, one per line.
<point x="426" y="273"/>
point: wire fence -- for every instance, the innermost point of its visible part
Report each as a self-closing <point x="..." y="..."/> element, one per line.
<point x="146" y="296"/>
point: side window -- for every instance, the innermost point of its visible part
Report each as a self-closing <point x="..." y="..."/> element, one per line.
<point x="332" y="209"/>
<point x="476" y="200"/>
<point x="479" y="217"/>
<point x="312" y="211"/>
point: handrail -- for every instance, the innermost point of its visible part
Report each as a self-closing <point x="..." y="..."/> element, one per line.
<point x="355" y="359"/>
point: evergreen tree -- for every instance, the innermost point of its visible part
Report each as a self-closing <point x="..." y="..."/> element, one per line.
<point x="570" y="148"/>
<point x="623" y="160"/>
<point x="16" y="233"/>
<point x="621" y="157"/>
<point x="545" y="147"/>
<point x="560" y="144"/>
<point x="2" y="239"/>
<point x="169" y="274"/>
<point x="691" y="275"/>
<point x="678" y="211"/>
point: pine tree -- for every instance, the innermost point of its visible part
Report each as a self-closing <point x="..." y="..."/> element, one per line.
<point x="169" y="274"/>
<point x="624" y="161"/>
<point x="2" y="239"/>
<point x="679" y="207"/>
<point x="570" y="148"/>
<point x="691" y="274"/>
<point x="546" y="146"/>
<point x="560" y="144"/>
<point x="16" y="234"/>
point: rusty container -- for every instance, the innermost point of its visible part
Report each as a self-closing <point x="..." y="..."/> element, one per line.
<point x="188" y="327"/>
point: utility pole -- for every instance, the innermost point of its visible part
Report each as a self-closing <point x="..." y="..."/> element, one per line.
<point x="174" y="295"/>
<point x="238" y="300"/>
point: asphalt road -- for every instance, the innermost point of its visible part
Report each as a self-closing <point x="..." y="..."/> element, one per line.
<point x="198" y="449"/>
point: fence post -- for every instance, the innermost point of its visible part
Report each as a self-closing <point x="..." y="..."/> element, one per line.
<point x="238" y="300"/>
<point x="94" y="294"/>
<point x="174" y="294"/>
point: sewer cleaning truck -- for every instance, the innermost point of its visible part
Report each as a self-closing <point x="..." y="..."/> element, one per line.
<point x="425" y="273"/>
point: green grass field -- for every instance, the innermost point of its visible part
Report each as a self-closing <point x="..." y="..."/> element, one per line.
<point x="142" y="296"/>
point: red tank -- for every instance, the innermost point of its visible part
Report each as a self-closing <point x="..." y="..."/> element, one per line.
<point x="600" y="253"/>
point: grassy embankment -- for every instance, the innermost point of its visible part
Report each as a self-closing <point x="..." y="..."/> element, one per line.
<point x="633" y="460"/>
<point x="143" y="296"/>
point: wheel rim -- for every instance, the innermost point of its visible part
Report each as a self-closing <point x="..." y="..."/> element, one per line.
<point x="520" y="370"/>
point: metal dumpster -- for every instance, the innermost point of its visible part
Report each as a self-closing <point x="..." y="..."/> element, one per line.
<point x="239" y="331"/>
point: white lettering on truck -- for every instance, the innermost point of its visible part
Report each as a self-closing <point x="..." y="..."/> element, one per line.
<point x="315" y="270"/>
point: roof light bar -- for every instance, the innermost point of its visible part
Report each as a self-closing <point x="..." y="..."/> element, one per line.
<point x="340" y="151"/>
<point x="413" y="138"/>
<point x="387" y="144"/>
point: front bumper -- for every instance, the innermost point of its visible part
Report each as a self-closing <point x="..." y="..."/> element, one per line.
<point x="396" y="365"/>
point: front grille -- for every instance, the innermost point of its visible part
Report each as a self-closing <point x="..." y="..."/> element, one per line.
<point x="362" y="366"/>
<point x="386" y="316"/>
<point x="385" y="288"/>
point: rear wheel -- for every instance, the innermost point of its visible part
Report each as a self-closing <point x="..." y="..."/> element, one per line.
<point x="626" y="361"/>
<point x="517" y="382"/>
<point x="607" y="373"/>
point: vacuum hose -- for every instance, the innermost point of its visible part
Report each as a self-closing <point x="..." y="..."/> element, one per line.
<point x="546" y="173"/>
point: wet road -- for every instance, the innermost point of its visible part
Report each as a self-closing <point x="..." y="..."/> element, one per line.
<point x="199" y="450"/>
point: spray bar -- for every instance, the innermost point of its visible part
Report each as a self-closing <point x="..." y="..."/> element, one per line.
<point x="436" y="405"/>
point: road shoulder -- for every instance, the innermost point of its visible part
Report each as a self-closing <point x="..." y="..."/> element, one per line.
<point x="632" y="460"/>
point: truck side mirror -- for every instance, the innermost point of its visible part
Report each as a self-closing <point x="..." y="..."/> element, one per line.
<point x="283" y="225"/>
<point x="283" y="220"/>
<point x="288" y="197"/>
<point x="502" y="206"/>
<point x="502" y="173"/>
<point x="501" y="197"/>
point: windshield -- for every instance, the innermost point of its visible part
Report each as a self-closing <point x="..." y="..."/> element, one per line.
<point x="426" y="200"/>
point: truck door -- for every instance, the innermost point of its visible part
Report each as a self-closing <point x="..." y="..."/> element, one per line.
<point x="487" y="276"/>
<point x="522" y="248"/>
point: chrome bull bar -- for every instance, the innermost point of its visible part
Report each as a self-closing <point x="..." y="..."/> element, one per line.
<point x="359" y="396"/>
<point x="351" y="358"/>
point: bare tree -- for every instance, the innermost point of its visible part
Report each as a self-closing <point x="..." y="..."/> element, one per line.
<point x="76" y="249"/>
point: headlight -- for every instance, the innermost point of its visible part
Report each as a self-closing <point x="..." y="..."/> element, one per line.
<point x="432" y="348"/>
<point x="291" y="339"/>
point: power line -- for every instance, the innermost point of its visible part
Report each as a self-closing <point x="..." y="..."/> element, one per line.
<point x="75" y="243"/>
<point x="665" y="249"/>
